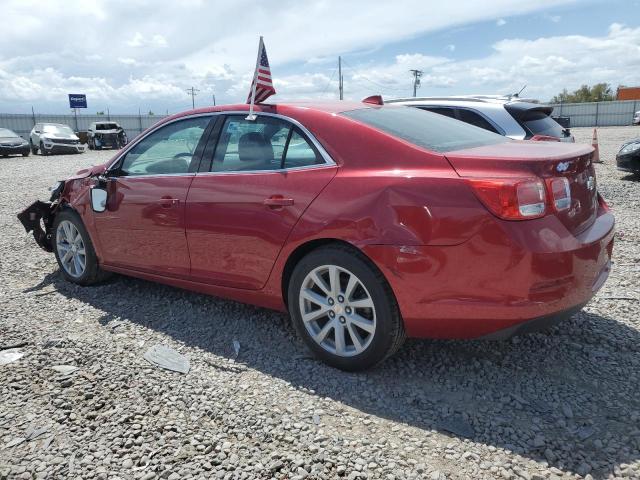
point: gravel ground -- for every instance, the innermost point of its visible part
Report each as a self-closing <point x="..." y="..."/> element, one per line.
<point x="560" y="404"/>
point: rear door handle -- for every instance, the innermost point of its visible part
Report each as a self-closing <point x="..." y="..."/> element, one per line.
<point x="278" y="201"/>
<point x="167" y="202"/>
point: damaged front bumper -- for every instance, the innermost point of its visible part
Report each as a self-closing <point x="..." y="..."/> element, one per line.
<point x="38" y="218"/>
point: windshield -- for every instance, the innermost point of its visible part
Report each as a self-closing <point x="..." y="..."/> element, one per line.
<point x="106" y="126"/>
<point x="539" y="123"/>
<point x="6" y="133"/>
<point x="425" y="129"/>
<point x="62" y="129"/>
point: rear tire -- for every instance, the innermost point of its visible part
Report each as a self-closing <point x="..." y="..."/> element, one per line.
<point x="74" y="250"/>
<point x="344" y="309"/>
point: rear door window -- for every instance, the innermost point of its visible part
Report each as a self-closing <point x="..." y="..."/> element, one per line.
<point x="474" y="118"/>
<point x="447" y="112"/>
<point x="266" y="143"/>
<point x="425" y="129"/>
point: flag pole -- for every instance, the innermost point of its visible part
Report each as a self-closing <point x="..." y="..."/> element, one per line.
<point x="251" y="115"/>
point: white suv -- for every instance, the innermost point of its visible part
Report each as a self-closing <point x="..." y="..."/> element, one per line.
<point x="509" y="116"/>
<point x="54" y="138"/>
<point x="636" y="118"/>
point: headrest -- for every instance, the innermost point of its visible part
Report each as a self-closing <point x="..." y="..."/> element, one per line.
<point x="253" y="147"/>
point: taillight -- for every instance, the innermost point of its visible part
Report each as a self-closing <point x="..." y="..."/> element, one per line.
<point x="603" y="203"/>
<point x="560" y="193"/>
<point x="545" y="138"/>
<point x="512" y="199"/>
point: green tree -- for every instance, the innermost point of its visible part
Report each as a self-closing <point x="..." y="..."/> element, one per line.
<point x="99" y="113"/>
<point x="151" y="114"/>
<point x="600" y="92"/>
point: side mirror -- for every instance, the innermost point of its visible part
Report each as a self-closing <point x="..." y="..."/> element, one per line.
<point x="98" y="199"/>
<point x="37" y="131"/>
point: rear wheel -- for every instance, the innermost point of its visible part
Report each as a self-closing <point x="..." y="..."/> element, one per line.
<point x="343" y="309"/>
<point x="74" y="251"/>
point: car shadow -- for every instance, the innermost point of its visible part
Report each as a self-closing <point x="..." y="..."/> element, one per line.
<point x="561" y="397"/>
<point x="631" y="177"/>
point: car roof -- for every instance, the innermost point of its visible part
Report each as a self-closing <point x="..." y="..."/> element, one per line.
<point x="54" y="124"/>
<point x="486" y="99"/>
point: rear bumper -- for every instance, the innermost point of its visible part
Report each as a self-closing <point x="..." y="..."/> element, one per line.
<point x="508" y="275"/>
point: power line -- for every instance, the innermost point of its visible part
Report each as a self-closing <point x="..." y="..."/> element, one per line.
<point x="193" y="92"/>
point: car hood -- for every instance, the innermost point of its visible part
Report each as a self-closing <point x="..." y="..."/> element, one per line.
<point x="628" y="142"/>
<point x="12" y="140"/>
<point x="61" y="136"/>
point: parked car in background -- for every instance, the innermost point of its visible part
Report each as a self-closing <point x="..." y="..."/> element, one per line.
<point x="628" y="158"/>
<point x="368" y="223"/>
<point x="50" y="138"/>
<point x="106" y="134"/>
<point x="636" y="118"/>
<point x="12" y="144"/>
<point x="508" y="116"/>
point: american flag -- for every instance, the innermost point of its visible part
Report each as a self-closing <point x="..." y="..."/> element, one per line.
<point x="261" y="77"/>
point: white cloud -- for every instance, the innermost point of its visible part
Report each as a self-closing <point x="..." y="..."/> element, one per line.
<point x="500" y="22"/>
<point x="139" y="40"/>
<point x="136" y="52"/>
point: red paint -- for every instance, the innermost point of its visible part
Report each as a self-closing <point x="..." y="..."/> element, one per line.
<point x="456" y="269"/>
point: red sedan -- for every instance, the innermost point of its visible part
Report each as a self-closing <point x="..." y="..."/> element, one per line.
<point x="367" y="223"/>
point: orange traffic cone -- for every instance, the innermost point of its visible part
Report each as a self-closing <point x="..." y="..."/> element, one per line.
<point x="596" y="150"/>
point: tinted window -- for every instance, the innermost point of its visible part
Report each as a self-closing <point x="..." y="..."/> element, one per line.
<point x="106" y="126"/>
<point x="475" y="119"/>
<point x="266" y="143"/>
<point x="425" y="129"/>
<point x="447" y="112"/>
<point x="539" y="123"/>
<point x="167" y="150"/>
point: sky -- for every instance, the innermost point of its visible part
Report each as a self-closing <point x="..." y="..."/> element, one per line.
<point x="143" y="55"/>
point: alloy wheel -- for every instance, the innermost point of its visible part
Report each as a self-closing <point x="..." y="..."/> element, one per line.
<point x="71" y="249"/>
<point x="337" y="310"/>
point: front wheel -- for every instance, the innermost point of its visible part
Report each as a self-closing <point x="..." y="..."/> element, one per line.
<point x="74" y="251"/>
<point x="344" y="309"/>
<point x="42" y="150"/>
<point x="34" y="150"/>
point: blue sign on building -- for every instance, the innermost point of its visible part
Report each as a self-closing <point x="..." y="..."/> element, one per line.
<point x="77" y="100"/>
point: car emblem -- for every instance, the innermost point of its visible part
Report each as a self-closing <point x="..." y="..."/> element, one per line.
<point x="591" y="183"/>
<point x="563" y="166"/>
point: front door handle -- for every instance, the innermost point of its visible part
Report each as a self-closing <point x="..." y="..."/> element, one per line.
<point x="167" y="202"/>
<point x="278" y="201"/>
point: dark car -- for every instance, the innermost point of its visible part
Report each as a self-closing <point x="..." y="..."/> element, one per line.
<point x="12" y="144"/>
<point x="628" y="158"/>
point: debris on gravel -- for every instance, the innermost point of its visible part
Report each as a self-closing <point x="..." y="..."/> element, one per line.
<point x="83" y="402"/>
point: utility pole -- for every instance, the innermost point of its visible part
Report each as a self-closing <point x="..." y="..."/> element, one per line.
<point x="416" y="80"/>
<point x="193" y="92"/>
<point x="340" y="85"/>
<point x="214" y="99"/>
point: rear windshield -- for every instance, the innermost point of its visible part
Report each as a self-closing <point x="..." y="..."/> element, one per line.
<point x="539" y="123"/>
<point x="106" y="126"/>
<point x="425" y="129"/>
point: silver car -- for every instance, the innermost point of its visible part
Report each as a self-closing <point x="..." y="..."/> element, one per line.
<point x="51" y="138"/>
<point x="508" y="116"/>
<point x="636" y="118"/>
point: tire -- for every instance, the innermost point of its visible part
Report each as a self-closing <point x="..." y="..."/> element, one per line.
<point x="90" y="145"/>
<point x="43" y="152"/>
<point x="66" y="226"/>
<point x="25" y="154"/>
<point x="34" y="150"/>
<point x="378" y="327"/>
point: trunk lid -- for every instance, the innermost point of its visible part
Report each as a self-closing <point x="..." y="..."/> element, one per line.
<point x="543" y="160"/>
